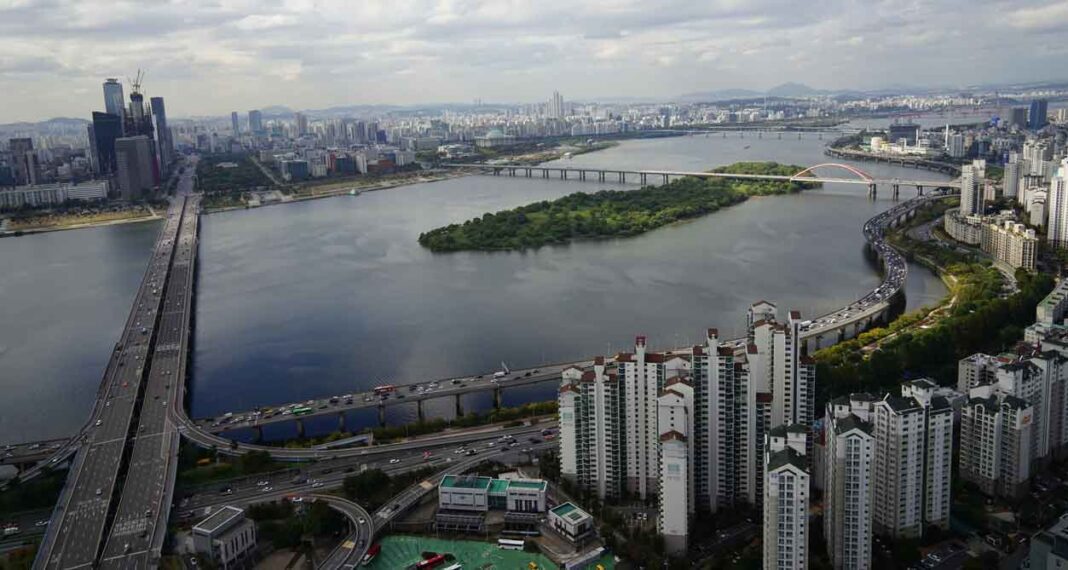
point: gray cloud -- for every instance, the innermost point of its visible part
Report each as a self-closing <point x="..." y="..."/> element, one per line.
<point x="208" y="57"/>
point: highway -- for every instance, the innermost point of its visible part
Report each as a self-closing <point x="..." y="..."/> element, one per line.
<point x="82" y="514"/>
<point x="140" y="524"/>
<point x="352" y="549"/>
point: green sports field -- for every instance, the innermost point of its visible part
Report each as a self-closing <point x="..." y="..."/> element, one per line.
<point x="400" y="552"/>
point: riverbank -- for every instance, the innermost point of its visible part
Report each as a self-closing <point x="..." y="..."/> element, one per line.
<point x="65" y="223"/>
<point x="343" y="189"/>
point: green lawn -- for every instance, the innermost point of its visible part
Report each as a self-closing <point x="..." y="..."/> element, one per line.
<point x="399" y="552"/>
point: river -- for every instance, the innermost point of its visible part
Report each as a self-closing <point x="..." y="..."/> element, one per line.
<point x="331" y="296"/>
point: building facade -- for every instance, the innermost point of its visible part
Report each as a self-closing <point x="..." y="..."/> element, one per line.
<point x="995" y="442"/>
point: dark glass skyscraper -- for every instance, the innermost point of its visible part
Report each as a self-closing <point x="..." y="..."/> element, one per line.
<point x="106" y="128"/>
<point x="164" y="148"/>
<point x="1036" y="115"/>
<point x="114" y="102"/>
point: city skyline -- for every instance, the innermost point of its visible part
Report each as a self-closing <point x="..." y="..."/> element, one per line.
<point x="307" y="55"/>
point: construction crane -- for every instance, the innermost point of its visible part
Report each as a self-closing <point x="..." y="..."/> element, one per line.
<point x="135" y="83"/>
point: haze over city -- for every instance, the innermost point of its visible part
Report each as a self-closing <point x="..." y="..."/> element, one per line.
<point x="210" y="57"/>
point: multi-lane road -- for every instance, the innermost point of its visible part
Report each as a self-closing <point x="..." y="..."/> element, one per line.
<point x="108" y="446"/>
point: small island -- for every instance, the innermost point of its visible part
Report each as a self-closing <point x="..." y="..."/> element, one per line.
<point x="610" y="213"/>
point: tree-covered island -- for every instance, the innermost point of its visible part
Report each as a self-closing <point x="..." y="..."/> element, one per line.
<point x="610" y="213"/>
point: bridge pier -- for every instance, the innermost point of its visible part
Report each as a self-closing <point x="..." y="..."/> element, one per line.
<point x="724" y="134"/>
<point x="919" y="190"/>
<point x="529" y="173"/>
<point x="760" y="134"/>
<point x="563" y="174"/>
<point x="872" y="190"/>
<point x="665" y="179"/>
<point x="622" y="176"/>
<point x="544" y="173"/>
<point x="798" y="136"/>
<point x="600" y="175"/>
<point x="821" y="136"/>
<point x="341" y="422"/>
<point x="300" y="427"/>
<point x="459" y="407"/>
<point x="897" y="190"/>
<point x="582" y="175"/>
<point x="780" y="136"/>
<point x="497" y="397"/>
<point x="419" y="410"/>
<point x="258" y="430"/>
<point x="496" y="171"/>
<point x="643" y="177"/>
<point x="511" y="172"/>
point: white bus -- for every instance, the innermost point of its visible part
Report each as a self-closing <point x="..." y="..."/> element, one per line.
<point x="510" y="544"/>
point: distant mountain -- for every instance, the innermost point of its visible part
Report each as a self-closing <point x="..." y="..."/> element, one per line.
<point x="719" y="95"/>
<point x="275" y="110"/>
<point x="793" y="90"/>
<point x="54" y="123"/>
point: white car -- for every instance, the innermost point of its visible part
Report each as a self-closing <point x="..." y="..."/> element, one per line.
<point x="394" y="461"/>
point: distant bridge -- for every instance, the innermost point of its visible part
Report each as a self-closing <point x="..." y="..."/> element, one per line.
<point x="643" y="176"/>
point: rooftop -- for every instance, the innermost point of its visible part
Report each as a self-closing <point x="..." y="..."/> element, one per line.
<point x="219" y="520"/>
<point x="466" y="482"/>
<point x="570" y="512"/>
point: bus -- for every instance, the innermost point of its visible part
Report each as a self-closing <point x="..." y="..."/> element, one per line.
<point x="432" y="562"/>
<point x="302" y="411"/>
<point x="510" y="544"/>
<point x="384" y="389"/>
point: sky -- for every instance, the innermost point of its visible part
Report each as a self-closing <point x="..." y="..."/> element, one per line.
<point x="210" y="57"/>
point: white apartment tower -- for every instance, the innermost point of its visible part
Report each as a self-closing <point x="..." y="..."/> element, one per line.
<point x="643" y="376"/>
<point x="676" y="477"/>
<point x="913" y="457"/>
<point x="1057" y="208"/>
<point x="786" y="494"/>
<point x="591" y="430"/>
<point x="972" y="180"/>
<point x="848" y="488"/>
<point x="995" y="442"/>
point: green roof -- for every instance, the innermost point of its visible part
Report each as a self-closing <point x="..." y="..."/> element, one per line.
<point x="570" y="511"/>
<point x="528" y="484"/>
<point x="498" y="487"/>
<point x="461" y="482"/>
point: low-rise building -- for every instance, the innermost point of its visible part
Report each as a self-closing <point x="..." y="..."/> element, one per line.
<point x="965" y="229"/>
<point x="226" y="537"/>
<point x="571" y="522"/>
<point x="52" y="194"/>
<point x="1049" y="548"/>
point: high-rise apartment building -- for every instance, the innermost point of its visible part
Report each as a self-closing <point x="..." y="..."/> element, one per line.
<point x="1057" y="208"/>
<point x="592" y="415"/>
<point x="235" y="123"/>
<point x="675" y="410"/>
<point x="1011" y="243"/>
<point x="114" y="102"/>
<point x="555" y="108"/>
<point x="996" y="430"/>
<point x="1010" y="187"/>
<point x="848" y="486"/>
<point x="301" y="121"/>
<point x="786" y="494"/>
<point x="913" y="457"/>
<point x="1037" y="153"/>
<point x="955" y="145"/>
<point x="972" y="180"/>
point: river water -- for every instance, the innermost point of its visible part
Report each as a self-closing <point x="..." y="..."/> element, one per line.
<point x="332" y="296"/>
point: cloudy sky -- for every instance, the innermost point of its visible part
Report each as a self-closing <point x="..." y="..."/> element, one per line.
<point x="210" y="57"/>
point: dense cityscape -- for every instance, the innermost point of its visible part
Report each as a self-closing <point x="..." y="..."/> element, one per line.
<point x="461" y="335"/>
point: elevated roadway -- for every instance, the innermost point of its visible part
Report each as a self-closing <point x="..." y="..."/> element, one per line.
<point x="93" y="486"/>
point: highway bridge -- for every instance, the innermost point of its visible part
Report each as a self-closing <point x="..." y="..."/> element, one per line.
<point x="664" y="176"/>
<point x="93" y="489"/>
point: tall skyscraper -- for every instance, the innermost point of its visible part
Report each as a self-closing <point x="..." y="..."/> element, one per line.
<point x="1057" y="208"/>
<point x="972" y="182"/>
<point x="106" y="129"/>
<point x="302" y="124"/>
<point x="255" y="122"/>
<point x="25" y="159"/>
<point x="114" y="102"/>
<point x="555" y="108"/>
<point x="134" y="158"/>
<point x="235" y="124"/>
<point x="1037" y="114"/>
<point x="164" y="148"/>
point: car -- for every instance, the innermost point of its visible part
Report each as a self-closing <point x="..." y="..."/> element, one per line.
<point x="262" y="483"/>
<point x="41" y="523"/>
<point x="361" y="520"/>
<point x="99" y="423"/>
<point x="267" y="489"/>
<point x="394" y="461"/>
<point x="316" y="485"/>
<point x="99" y="491"/>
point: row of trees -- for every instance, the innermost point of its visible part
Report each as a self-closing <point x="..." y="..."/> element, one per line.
<point x="608" y="213"/>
